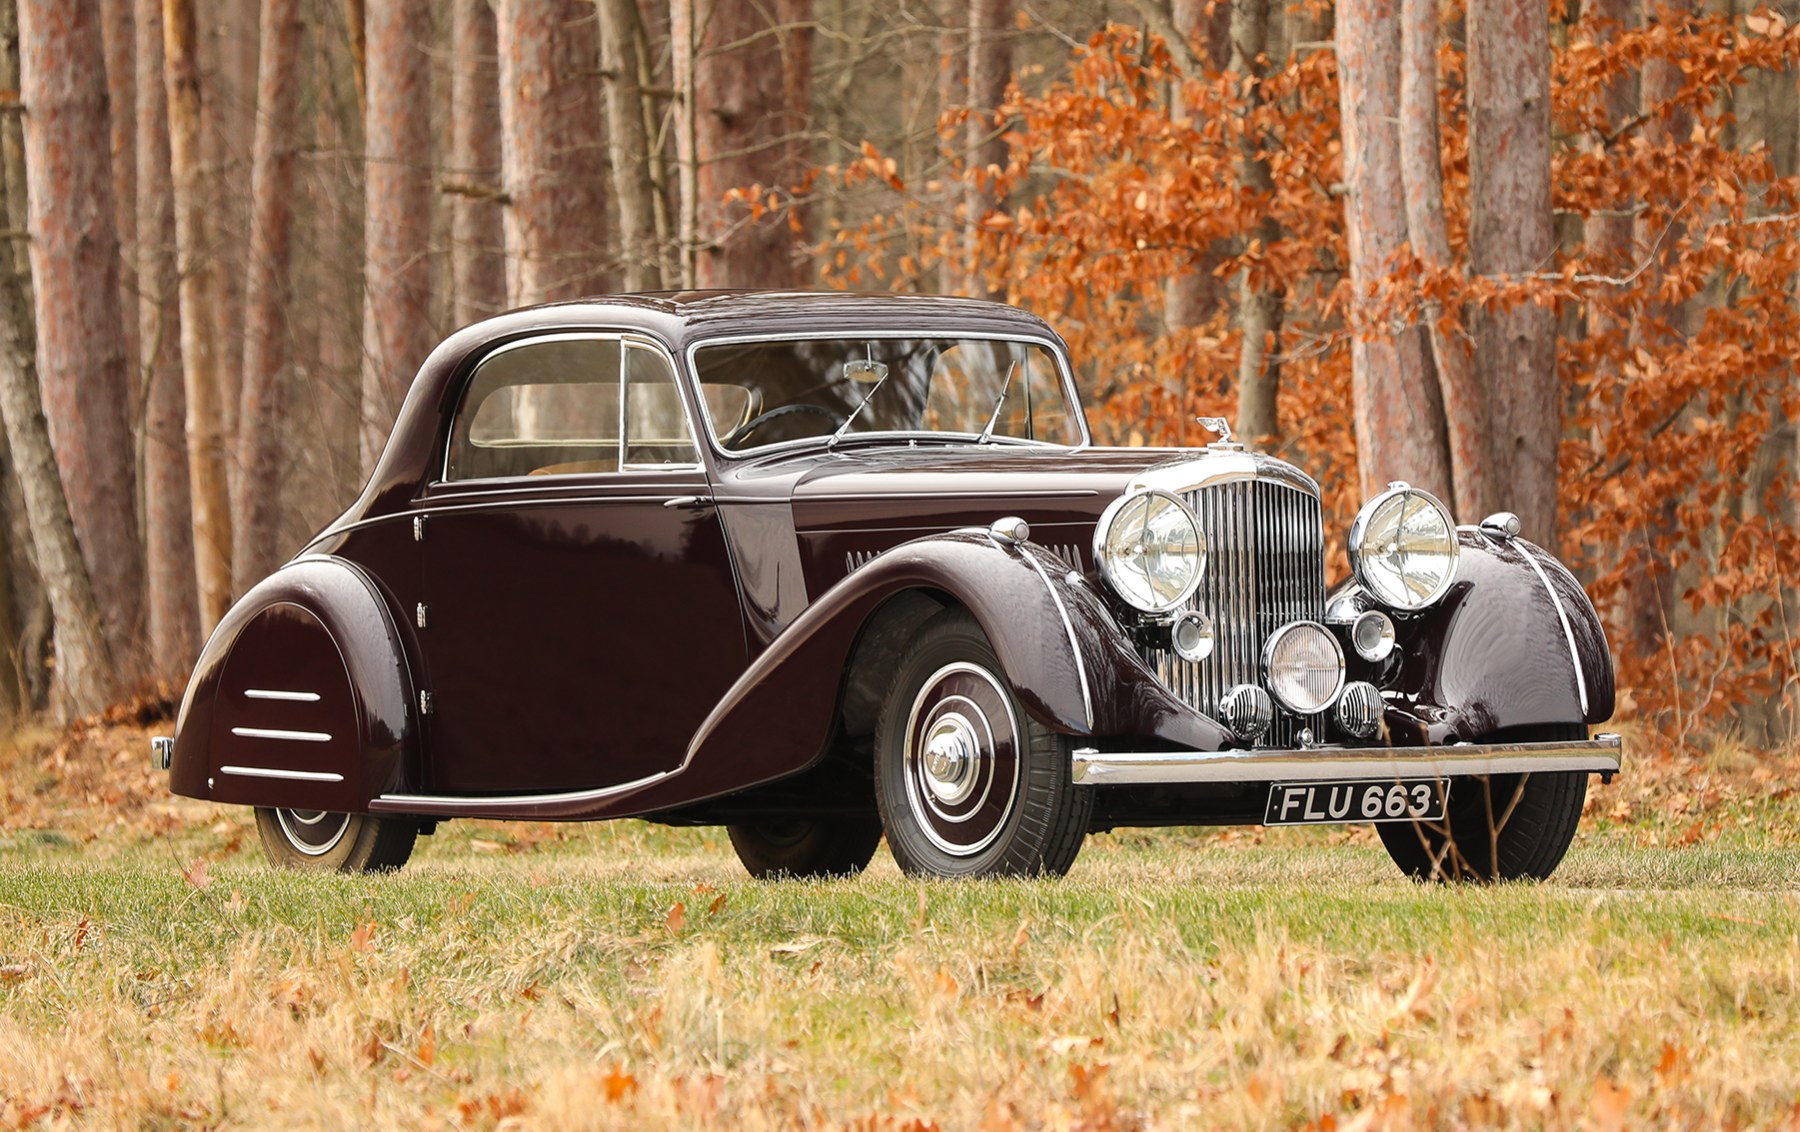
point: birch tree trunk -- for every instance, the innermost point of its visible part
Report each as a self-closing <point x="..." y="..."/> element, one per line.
<point x="629" y="141"/>
<point x="171" y="594"/>
<point x="551" y="149"/>
<point x="1511" y="233"/>
<point x="752" y="83"/>
<point x="990" y="69"/>
<point x="477" y="261"/>
<point x="1259" y="299"/>
<point x="198" y="298"/>
<point x="268" y="344"/>
<point x="397" y="331"/>
<point x="1399" y="414"/>
<point x="75" y="263"/>
<point x="1464" y="395"/>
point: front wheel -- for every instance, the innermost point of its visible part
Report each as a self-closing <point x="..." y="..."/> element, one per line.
<point x="322" y="841"/>
<point x="968" y="784"/>
<point x="1498" y="827"/>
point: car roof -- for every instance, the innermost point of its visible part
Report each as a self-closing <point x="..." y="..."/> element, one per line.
<point x="682" y="317"/>
<point x="679" y="319"/>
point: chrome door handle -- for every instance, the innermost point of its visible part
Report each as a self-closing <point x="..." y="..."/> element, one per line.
<point x="689" y="501"/>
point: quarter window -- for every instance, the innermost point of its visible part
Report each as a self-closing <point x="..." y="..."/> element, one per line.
<point x="569" y="406"/>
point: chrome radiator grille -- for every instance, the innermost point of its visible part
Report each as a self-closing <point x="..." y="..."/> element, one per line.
<point x="1265" y="567"/>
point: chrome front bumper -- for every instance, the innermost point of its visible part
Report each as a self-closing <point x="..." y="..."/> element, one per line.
<point x="162" y="752"/>
<point x="1120" y="768"/>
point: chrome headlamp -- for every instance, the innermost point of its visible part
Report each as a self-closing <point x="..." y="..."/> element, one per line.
<point x="1403" y="548"/>
<point x="1150" y="550"/>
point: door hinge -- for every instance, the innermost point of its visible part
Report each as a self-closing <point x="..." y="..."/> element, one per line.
<point x="418" y="528"/>
<point x="422" y="615"/>
<point x="427" y="705"/>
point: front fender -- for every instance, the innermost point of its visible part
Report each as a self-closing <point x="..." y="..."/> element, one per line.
<point x="301" y="697"/>
<point x="1068" y="662"/>
<point x="1514" y="643"/>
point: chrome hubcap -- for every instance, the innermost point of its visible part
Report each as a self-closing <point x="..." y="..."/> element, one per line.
<point x="962" y="759"/>
<point x="951" y="751"/>
<point x="313" y="832"/>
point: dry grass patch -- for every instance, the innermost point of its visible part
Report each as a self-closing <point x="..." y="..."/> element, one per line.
<point x="1243" y="988"/>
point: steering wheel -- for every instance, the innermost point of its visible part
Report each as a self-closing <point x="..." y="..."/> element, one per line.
<point x="836" y="418"/>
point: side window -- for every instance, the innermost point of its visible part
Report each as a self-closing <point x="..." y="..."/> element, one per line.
<point x="554" y="407"/>
<point x="656" y="428"/>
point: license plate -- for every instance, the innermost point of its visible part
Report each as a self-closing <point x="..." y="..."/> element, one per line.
<point x="1322" y="803"/>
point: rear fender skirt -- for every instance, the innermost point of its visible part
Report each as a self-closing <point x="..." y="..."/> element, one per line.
<point x="301" y="698"/>
<point x="1514" y="643"/>
<point x="1066" y="659"/>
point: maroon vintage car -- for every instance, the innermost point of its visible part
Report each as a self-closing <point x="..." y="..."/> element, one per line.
<point x="817" y="567"/>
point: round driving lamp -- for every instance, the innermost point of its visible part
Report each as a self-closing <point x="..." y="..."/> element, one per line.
<point x="1372" y="635"/>
<point x="1150" y="550"/>
<point x="1403" y="548"/>
<point x="1303" y="667"/>
<point x="1191" y="636"/>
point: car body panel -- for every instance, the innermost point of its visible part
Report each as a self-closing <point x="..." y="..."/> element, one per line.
<point x="302" y="694"/>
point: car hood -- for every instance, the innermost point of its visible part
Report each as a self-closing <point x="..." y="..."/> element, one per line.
<point x="935" y="487"/>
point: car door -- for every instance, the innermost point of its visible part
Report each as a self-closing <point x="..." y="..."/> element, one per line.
<point x="580" y="615"/>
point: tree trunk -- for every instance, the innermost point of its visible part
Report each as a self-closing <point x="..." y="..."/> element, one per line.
<point x="397" y="332"/>
<point x="227" y="52"/>
<point x="1653" y="592"/>
<point x="1399" y="414"/>
<point x="1464" y="396"/>
<point x="477" y="258"/>
<point x="1259" y="298"/>
<point x="551" y="147"/>
<point x="198" y="297"/>
<point x="75" y="263"/>
<point x="1511" y="233"/>
<point x="952" y="94"/>
<point x="121" y="98"/>
<point x="990" y="69"/>
<point x="86" y="677"/>
<point x="752" y="89"/>
<point x="171" y="596"/>
<point x="633" y="188"/>
<point x="1193" y="296"/>
<point x="268" y="344"/>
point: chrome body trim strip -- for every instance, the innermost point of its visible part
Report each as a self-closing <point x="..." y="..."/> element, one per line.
<point x="289" y="775"/>
<point x="1563" y="616"/>
<point x="277" y="733"/>
<point x="484" y="802"/>
<point x="1091" y="767"/>
<point x="292" y="697"/>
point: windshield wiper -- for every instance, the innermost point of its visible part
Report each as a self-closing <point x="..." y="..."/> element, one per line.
<point x="987" y="434"/>
<point x="845" y="427"/>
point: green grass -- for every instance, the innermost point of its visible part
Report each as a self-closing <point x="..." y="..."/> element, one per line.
<point x="1172" y="978"/>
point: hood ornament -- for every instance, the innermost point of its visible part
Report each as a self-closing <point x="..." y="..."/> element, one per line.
<point x="1222" y="427"/>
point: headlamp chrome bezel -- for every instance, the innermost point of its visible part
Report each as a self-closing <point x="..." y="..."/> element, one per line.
<point x="1104" y="565"/>
<point x="1359" y="531"/>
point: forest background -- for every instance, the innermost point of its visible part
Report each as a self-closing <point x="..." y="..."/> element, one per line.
<point x="1539" y="255"/>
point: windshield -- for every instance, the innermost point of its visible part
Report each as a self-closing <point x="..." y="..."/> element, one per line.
<point x="763" y="393"/>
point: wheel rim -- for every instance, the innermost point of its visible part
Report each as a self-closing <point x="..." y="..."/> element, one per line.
<point x="962" y="759"/>
<point x="313" y="832"/>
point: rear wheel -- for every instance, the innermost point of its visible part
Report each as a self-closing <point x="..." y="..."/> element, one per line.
<point x="807" y="846"/>
<point x="323" y="841"/>
<point x="1498" y="827"/>
<point x="968" y="784"/>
